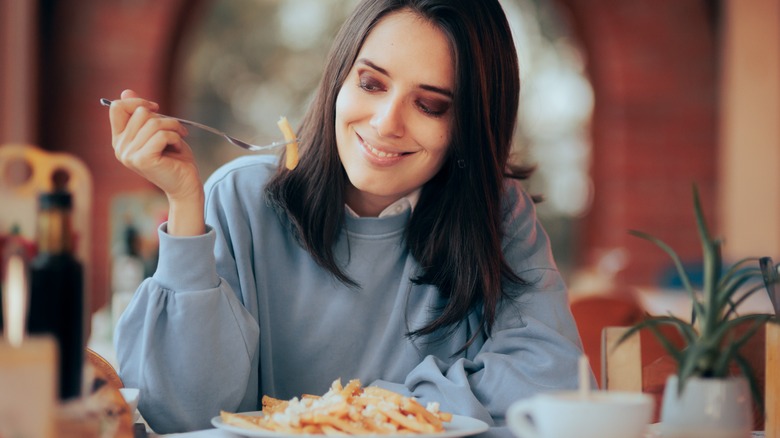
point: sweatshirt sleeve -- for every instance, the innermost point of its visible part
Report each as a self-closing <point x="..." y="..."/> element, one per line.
<point x="534" y="346"/>
<point x="187" y="341"/>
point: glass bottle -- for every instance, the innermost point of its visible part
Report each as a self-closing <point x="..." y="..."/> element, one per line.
<point x="56" y="289"/>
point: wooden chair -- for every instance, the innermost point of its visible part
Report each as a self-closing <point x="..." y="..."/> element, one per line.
<point x="594" y="312"/>
<point x="640" y="364"/>
<point x="103" y="369"/>
<point x="26" y="171"/>
<point x="103" y="413"/>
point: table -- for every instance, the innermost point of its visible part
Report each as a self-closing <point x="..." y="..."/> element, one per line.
<point x="678" y="303"/>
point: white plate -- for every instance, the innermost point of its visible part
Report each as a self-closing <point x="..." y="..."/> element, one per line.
<point x="131" y="398"/>
<point x="459" y="426"/>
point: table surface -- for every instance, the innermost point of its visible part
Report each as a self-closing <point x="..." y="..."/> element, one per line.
<point x="678" y="302"/>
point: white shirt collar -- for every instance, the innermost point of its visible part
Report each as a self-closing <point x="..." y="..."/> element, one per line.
<point x="408" y="202"/>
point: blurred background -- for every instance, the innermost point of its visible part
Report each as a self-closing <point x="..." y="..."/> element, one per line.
<point x="625" y="105"/>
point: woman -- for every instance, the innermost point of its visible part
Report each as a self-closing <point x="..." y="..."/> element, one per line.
<point x="397" y="252"/>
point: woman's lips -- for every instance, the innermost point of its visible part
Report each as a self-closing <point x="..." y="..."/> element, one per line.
<point x="378" y="156"/>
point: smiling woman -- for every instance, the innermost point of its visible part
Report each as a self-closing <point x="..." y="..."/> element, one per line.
<point x="401" y="251"/>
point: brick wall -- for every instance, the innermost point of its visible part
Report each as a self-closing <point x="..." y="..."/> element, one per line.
<point x="93" y="49"/>
<point x="652" y="64"/>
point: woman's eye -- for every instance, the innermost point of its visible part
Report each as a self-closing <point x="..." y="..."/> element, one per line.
<point x="370" y="84"/>
<point x="433" y="108"/>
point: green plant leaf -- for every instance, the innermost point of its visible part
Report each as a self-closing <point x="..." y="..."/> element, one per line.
<point x="725" y="303"/>
<point x="758" y="319"/>
<point x="729" y="287"/>
<point x="684" y="328"/>
<point x="747" y="372"/>
<point x="675" y="259"/>
<point x="733" y="305"/>
<point x="721" y="365"/>
<point x="729" y="347"/>
<point x="712" y="265"/>
<point x="695" y="363"/>
<point x="736" y="268"/>
<point x="667" y="345"/>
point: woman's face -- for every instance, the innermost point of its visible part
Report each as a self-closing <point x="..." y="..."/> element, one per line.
<point x="394" y="112"/>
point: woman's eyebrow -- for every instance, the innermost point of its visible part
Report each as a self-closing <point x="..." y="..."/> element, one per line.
<point x="433" y="88"/>
<point x="374" y="66"/>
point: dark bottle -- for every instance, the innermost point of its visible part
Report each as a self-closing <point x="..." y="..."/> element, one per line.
<point x="56" y="289"/>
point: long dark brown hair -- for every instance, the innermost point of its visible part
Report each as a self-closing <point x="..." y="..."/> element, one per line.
<point x="456" y="228"/>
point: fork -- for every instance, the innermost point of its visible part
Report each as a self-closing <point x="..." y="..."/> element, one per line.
<point x="233" y="140"/>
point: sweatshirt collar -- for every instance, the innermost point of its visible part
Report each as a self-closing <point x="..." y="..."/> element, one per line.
<point x="407" y="202"/>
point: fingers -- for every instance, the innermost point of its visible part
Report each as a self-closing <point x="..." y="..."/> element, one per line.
<point x="142" y="124"/>
<point x="128" y="94"/>
<point x="146" y="156"/>
<point x="134" y="123"/>
<point x="122" y="109"/>
<point x="141" y="135"/>
<point x="142" y="139"/>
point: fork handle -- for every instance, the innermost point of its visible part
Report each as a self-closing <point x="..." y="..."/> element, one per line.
<point x="107" y="102"/>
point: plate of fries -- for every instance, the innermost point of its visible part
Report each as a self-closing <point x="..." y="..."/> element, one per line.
<point x="349" y="410"/>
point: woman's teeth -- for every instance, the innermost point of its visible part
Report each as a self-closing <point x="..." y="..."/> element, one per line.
<point x="379" y="153"/>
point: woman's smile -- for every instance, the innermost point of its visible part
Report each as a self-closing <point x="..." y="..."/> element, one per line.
<point x="381" y="155"/>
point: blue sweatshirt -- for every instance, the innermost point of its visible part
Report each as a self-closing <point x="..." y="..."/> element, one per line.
<point x="244" y="310"/>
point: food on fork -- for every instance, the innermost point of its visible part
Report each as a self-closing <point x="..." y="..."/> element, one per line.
<point x="345" y="410"/>
<point x="291" y="153"/>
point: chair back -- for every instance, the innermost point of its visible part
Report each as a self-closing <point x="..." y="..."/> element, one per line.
<point x="593" y="313"/>
<point x="103" y="369"/>
<point x="25" y="172"/>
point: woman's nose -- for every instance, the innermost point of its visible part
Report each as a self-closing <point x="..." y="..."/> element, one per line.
<point x="388" y="120"/>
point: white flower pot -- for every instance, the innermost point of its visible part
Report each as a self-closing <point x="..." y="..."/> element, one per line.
<point x="711" y="408"/>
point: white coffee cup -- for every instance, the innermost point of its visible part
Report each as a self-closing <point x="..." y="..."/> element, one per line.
<point x="566" y="414"/>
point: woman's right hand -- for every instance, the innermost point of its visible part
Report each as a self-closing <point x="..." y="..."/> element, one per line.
<point x="154" y="148"/>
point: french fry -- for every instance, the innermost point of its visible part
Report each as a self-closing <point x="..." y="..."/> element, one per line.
<point x="331" y="431"/>
<point x="345" y="410"/>
<point x="245" y="421"/>
<point x="385" y="394"/>
<point x="291" y="153"/>
<point x="352" y="388"/>
<point x="271" y="405"/>
<point x="408" y="423"/>
<point x="413" y="407"/>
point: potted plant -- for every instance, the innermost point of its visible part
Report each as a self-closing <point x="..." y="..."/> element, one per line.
<point x="712" y="341"/>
